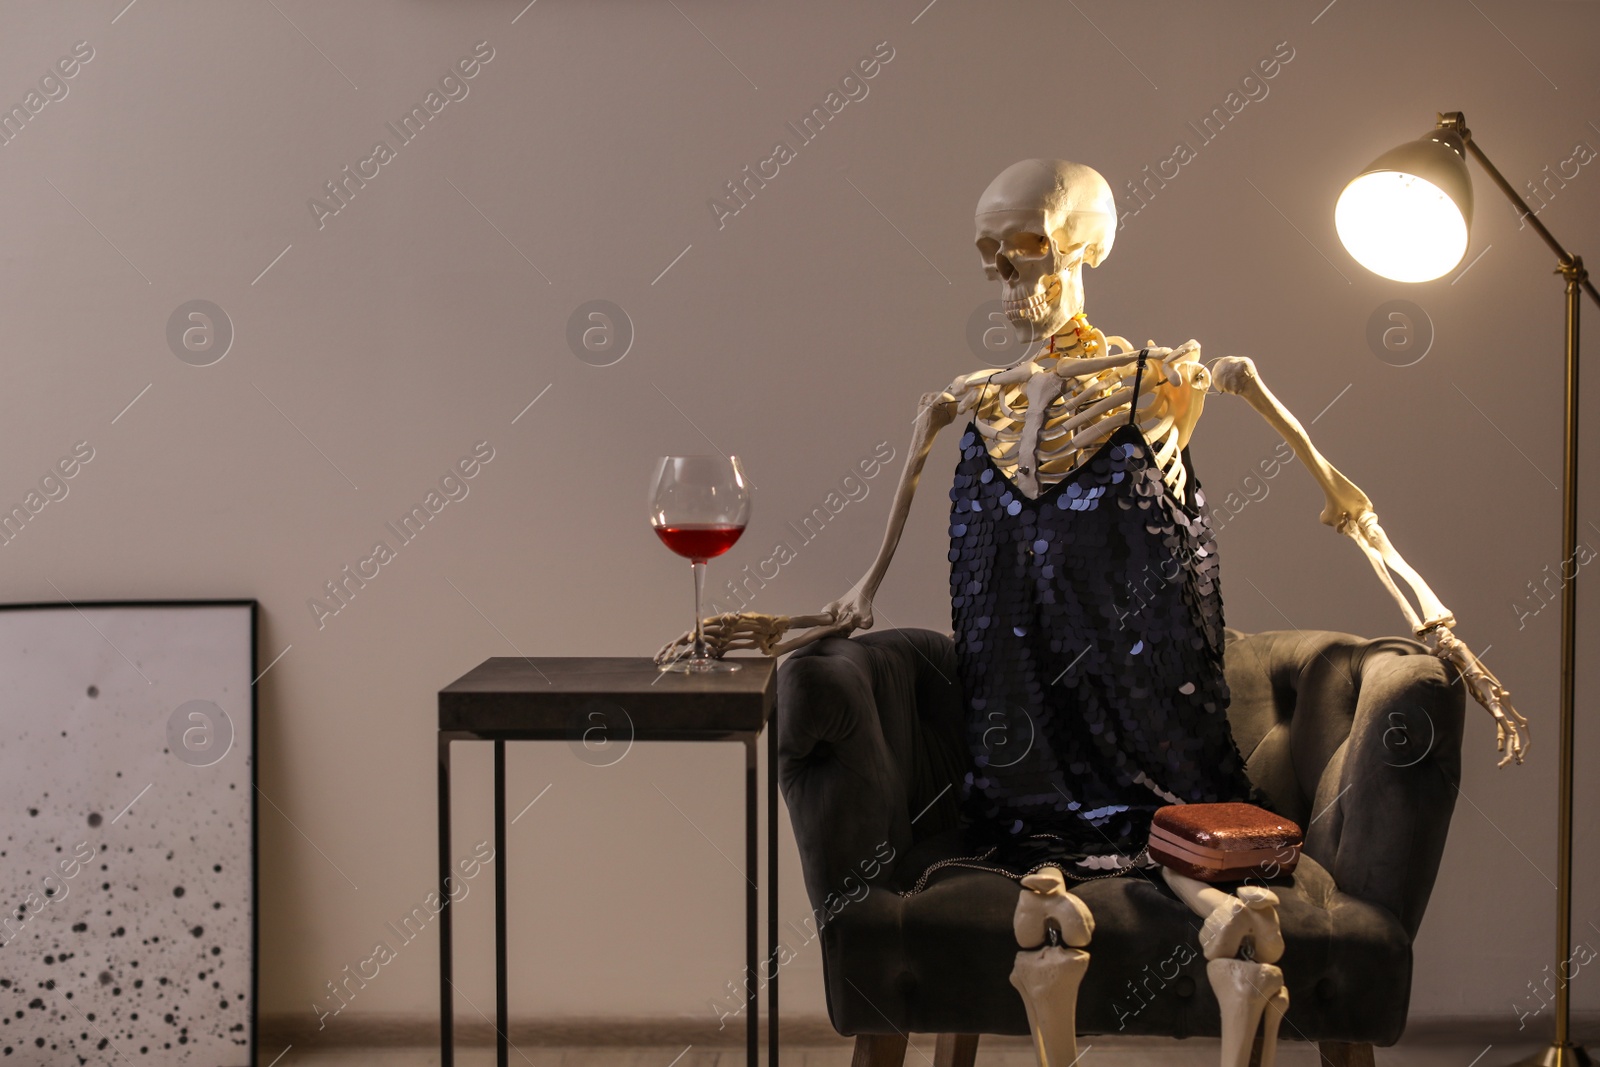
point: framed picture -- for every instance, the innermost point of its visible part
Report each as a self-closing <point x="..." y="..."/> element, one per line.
<point x="128" y="832"/>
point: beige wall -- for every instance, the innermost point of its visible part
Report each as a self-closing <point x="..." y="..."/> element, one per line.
<point x="428" y="312"/>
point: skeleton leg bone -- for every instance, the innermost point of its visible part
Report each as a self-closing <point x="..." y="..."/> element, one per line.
<point x="1052" y="926"/>
<point x="1244" y="989"/>
<point x="1277" y="1007"/>
<point x="1241" y="924"/>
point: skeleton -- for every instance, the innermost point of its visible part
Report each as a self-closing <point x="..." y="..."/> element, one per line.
<point x="1038" y="224"/>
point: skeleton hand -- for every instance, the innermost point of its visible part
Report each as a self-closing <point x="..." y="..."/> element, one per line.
<point x="728" y="630"/>
<point x="748" y="629"/>
<point x="1511" y="729"/>
<point x="736" y="630"/>
<point x="1434" y="627"/>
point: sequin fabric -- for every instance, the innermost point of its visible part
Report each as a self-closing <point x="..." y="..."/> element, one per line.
<point x="1089" y="641"/>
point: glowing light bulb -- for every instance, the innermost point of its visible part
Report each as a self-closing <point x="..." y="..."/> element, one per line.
<point x="1400" y="226"/>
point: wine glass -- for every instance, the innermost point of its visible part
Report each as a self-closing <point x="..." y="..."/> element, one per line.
<point x="699" y="505"/>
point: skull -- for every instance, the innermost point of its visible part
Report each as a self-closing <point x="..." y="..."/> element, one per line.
<point x="1038" y="223"/>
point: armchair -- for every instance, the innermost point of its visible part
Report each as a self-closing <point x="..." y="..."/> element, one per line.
<point x="1356" y="740"/>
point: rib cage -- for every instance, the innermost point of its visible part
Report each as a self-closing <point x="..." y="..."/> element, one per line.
<point x="1079" y="419"/>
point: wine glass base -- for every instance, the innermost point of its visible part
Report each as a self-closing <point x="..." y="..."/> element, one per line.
<point x="691" y="665"/>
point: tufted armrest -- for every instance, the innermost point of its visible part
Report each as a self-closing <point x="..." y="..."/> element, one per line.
<point x="870" y="753"/>
<point x="1360" y="742"/>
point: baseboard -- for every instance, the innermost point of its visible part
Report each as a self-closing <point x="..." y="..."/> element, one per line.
<point x="1498" y="1028"/>
<point x="369" y="1030"/>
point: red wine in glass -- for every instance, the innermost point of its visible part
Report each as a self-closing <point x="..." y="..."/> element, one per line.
<point x="699" y="505"/>
<point x="694" y="542"/>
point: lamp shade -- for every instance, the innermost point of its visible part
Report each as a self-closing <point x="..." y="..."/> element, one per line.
<point x="1406" y="216"/>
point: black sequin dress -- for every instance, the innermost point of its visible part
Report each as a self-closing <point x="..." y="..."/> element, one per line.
<point x="1089" y="641"/>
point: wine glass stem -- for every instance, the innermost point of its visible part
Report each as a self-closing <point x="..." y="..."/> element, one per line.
<point x="699" y="568"/>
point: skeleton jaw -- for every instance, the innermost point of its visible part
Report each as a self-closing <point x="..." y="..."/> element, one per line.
<point x="1038" y="312"/>
<point x="1035" y="305"/>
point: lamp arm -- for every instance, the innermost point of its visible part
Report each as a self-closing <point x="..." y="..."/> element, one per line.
<point x="1456" y="121"/>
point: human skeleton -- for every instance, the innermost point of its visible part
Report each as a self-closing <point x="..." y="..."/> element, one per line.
<point x="1038" y="224"/>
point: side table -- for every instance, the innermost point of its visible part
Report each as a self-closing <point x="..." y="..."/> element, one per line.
<point x="508" y="698"/>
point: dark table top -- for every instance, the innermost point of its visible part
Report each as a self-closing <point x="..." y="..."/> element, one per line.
<point x="569" y="697"/>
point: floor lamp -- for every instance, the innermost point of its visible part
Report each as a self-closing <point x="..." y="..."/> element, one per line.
<point x="1405" y="217"/>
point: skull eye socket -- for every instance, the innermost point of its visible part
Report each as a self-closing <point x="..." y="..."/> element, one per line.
<point x="1029" y="246"/>
<point x="987" y="247"/>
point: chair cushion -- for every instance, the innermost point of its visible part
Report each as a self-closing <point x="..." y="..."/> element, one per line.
<point x="940" y="960"/>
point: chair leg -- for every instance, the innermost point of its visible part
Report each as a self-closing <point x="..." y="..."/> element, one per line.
<point x="955" y="1050"/>
<point x="1343" y="1054"/>
<point x="879" y="1050"/>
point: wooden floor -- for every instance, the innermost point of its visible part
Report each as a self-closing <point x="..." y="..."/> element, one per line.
<point x="1094" y="1052"/>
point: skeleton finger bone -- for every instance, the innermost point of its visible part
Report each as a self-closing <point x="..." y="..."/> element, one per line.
<point x="1244" y="990"/>
<point x="1432" y="622"/>
<point x="1511" y="729"/>
<point x="734" y="631"/>
<point x="1048" y="978"/>
<point x="726" y="631"/>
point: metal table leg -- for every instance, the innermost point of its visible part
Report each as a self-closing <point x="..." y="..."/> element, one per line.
<point x="751" y="897"/>
<point x="501" y="997"/>
<point x="447" y="1044"/>
<point x="753" y="973"/>
<point x="772" y="893"/>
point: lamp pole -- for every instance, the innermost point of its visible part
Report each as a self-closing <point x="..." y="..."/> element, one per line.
<point x="1561" y="1052"/>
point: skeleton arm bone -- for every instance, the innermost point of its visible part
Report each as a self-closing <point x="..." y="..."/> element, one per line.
<point x="938" y="410"/>
<point x="765" y="633"/>
<point x="854" y="610"/>
<point x="1349" y="511"/>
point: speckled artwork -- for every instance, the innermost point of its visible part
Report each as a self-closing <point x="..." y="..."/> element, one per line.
<point x="127" y="834"/>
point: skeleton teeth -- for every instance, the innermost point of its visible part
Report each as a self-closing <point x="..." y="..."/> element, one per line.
<point x="1028" y="305"/>
<point x="1034" y="305"/>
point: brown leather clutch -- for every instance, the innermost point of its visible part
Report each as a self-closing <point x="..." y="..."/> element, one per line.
<point x="1224" y="842"/>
